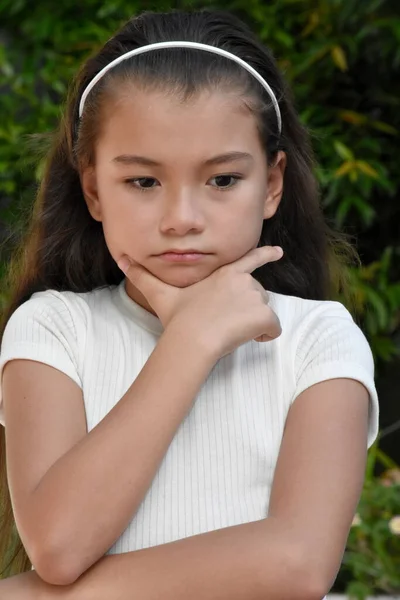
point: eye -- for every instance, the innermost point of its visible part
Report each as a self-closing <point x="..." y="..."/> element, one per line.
<point x="228" y="176"/>
<point x="131" y="182"/>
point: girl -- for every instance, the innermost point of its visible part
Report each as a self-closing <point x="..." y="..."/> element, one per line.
<point x="154" y="449"/>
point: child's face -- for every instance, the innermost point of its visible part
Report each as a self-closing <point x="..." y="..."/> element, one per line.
<point x="185" y="203"/>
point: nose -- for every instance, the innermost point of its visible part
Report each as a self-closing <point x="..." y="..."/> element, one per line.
<point x="182" y="212"/>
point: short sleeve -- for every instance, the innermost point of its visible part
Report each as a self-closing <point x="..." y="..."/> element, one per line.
<point x="41" y="329"/>
<point x="331" y="345"/>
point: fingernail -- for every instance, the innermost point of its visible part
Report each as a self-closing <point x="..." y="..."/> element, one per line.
<point x="124" y="264"/>
<point x="279" y="249"/>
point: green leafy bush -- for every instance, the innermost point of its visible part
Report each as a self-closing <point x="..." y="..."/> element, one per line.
<point x="372" y="557"/>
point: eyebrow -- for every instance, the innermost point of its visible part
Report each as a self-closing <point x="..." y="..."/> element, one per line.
<point x="131" y="159"/>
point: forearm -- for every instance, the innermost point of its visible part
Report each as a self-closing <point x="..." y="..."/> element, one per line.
<point x="253" y="561"/>
<point x="114" y="465"/>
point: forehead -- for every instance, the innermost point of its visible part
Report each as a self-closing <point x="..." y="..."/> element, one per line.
<point x="160" y="121"/>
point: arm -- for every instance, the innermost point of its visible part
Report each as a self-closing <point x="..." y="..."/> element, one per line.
<point x="320" y="472"/>
<point x="245" y="562"/>
<point x="293" y="554"/>
<point x="252" y="561"/>
<point x="59" y="518"/>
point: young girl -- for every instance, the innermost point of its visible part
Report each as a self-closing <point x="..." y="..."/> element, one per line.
<point x="154" y="447"/>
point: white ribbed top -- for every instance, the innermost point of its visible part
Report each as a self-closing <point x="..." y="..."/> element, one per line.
<point x="219" y="467"/>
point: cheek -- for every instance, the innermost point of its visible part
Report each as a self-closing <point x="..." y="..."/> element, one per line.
<point x="125" y="232"/>
<point x="124" y="224"/>
<point x="246" y="227"/>
<point x="240" y="239"/>
<point x="245" y="223"/>
<point x="116" y="209"/>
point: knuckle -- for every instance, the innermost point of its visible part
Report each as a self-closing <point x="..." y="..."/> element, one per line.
<point x="248" y="278"/>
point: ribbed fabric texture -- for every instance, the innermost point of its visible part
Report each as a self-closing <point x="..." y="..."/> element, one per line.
<point x="219" y="467"/>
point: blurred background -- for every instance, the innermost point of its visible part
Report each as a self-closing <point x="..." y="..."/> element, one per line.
<point x="342" y="58"/>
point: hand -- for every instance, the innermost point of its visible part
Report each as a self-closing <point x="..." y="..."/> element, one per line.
<point x="225" y="310"/>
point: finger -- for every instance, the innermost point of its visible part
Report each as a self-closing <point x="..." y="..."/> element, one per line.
<point x="258" y="257"/>
<point x="274" y="330"/>
<point x="141" y="278"/>
<point x="263" y="338"/>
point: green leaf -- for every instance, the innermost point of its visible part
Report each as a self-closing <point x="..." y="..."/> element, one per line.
<point x="380" y="310"/>
<point x="385" y="459"/>
<point x="385" y="127"/>
<point x="343" y="150"/>
<point x="345" y="169"/>
<point x="366" y="211"/>
<point x="350" y="116"/>
<point x="342" y="211"/>
<point x="356" y="590"/>
<point x="366" y="168"/>
<point x="284" y="38"/>
<point x="339" y="58"/>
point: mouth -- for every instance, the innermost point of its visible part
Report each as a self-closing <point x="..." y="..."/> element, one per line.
<point x="181" y="257"/>
<point x="184" y="251"/>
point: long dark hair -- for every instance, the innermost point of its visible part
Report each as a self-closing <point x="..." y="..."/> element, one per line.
<point x="64" y="247"/>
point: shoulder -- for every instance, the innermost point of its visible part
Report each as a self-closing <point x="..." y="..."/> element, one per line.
<point x="59" y="310"/>
<point x="305" y="322"/>
<point x="43" y="309"/>
<point x="303" y="305"/>
<point x="321" y="330"/>
<point x="324" y="342"/>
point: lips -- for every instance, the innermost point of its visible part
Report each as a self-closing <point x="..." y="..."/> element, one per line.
<point x="179" y="257"/>
<point x="188" y="251"/>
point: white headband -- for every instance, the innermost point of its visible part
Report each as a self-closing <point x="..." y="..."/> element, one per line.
<point x="206" y="47"/>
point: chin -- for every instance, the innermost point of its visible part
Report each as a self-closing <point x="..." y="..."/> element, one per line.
<point x="181" y="280"/>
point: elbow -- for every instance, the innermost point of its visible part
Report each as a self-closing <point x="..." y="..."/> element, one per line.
<point x="54" y="557"/>
<point x="54" y="567"/>
<point x="307" y="581"/>
<point x="312" y="590"/>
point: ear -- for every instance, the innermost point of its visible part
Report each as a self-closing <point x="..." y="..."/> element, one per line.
<point x="89" y="188"/>
<point x="275" y="185"/>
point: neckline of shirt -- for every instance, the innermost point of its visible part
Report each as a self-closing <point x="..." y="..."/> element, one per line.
<point x="138" y="313"/>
